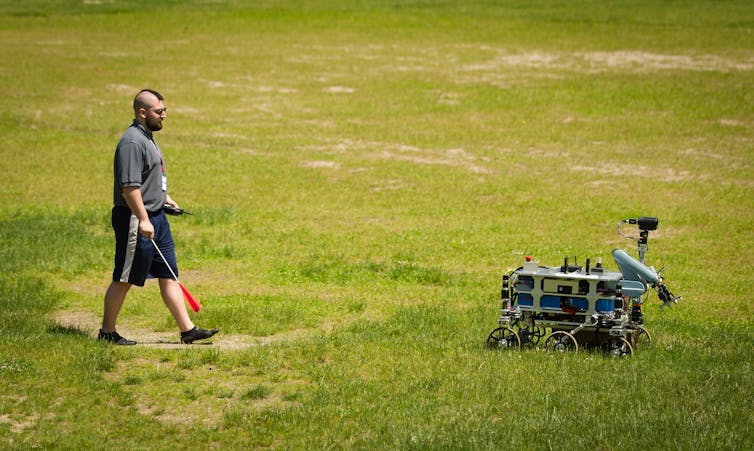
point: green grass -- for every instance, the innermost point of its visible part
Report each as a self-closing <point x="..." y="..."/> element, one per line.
<point x="360" y="174"/>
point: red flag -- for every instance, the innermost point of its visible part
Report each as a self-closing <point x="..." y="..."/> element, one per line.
<point x="193" y="303"/>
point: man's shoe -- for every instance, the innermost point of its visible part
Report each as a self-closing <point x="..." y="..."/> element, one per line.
<point x="115" y="338"/>
<point x="197" y="333"/>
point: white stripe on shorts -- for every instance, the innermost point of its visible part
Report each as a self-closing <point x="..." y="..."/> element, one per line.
<point x="133" y="238"/>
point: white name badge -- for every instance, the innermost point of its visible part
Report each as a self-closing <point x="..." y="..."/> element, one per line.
<point x="164" y="183"/>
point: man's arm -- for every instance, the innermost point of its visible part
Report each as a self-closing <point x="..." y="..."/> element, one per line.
<point x="132" y="195"/>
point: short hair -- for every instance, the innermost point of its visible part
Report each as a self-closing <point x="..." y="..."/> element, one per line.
<point x="139" y="101"/>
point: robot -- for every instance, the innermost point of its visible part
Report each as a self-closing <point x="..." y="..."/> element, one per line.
<point x="581" y="306"/>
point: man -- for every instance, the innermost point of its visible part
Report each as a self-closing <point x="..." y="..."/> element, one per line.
<point x="138" y="219"/>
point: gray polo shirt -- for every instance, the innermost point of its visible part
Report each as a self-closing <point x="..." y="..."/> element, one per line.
<point x="139" y="162"/>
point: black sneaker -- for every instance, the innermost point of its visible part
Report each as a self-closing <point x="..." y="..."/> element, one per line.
<point x="197" y="333"/>
<point x="115" y="338"/>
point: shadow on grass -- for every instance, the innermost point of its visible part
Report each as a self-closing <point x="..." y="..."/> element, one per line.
<point x="58" y="329"/>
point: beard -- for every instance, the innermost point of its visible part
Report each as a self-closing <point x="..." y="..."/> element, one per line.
<point x="153" y="124"/>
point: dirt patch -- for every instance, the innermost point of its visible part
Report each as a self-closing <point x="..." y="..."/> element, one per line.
<point x="665" y="174"/>
<point x="504" y="69"/>
<point x="20" y="423"/>
<point x="456" y="158"/>
<point x="637" y="61"/>
<point x="622" y="60"/>
<point x="339" y="90"/>
<point x="618" y="170"/>
<point x="88" y="323"/>
<point x="322" y="164"/>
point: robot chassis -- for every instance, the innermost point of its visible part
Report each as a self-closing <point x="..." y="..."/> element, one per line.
<point x="581" y="306"/>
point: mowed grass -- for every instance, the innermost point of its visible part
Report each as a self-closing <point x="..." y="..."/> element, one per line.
<point x="361" y="173"/>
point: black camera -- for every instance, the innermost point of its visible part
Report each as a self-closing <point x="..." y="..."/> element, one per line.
<point x="645" y="223"/>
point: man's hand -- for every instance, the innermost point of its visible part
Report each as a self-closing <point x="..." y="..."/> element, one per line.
<point x="169" y="201"/>
<point x="146" y="229"/>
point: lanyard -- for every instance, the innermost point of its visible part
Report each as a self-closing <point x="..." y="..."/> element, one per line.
<point x="162" y="163"/>
<point x="154" y="143"/>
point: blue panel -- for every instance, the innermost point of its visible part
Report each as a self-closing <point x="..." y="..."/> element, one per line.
<point x="554" y="302"/>
<point x="579" y="303"/>
<point x="605" y="305"/>
<point x="550" y="301"/>
<point x="525" y="299"/>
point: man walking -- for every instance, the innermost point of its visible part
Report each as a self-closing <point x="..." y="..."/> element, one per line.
<point x="140" y="192"/>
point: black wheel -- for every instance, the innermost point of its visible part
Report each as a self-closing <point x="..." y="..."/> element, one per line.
<point x="529" y="336"/>
<point x="619" y="347"/>
<point x="503" y="338"/>
<point x="561" y="341"/>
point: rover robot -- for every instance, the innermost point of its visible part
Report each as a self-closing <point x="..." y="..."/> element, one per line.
<point x="581" y="306"/>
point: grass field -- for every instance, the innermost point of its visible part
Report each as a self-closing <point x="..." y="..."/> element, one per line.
<point x="361" y="173"/>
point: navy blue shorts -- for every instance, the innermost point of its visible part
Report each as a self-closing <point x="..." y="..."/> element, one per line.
<point x="136" y="259"/>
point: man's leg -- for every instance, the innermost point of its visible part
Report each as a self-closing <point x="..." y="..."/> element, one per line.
<point x="172" y="296"/>
<point x="114" y="297"/>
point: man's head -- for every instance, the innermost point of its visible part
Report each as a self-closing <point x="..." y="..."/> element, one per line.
<point x="149" y="109"/>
